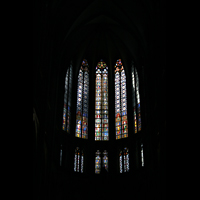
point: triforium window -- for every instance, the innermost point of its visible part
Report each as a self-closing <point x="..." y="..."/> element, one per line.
<point x="101" y="102"/>
<point x="98" y="161"/>
<point x="142" y="155"/>
<point x="124" y="160"/>
<point x="105" y="160"/>
<point x="67" y="100"/>
<point x="78" y="160"/>
<point x="82" y="101"/>
<point x="61" y="151"/>
<point x="136" y="100"/>
<point x="121" y="121"/>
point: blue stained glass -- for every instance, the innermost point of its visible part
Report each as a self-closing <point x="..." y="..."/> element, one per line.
<point x="97" y="112"/>
<point x="118" y="123"/>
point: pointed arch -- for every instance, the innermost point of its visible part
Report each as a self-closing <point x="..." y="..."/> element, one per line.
<point x="82" y="101"/>
<point x="124" y="160"/>
<point x="78" y="160"/>
<point x="101" y="103"/>
<point x="121" y="119"/>
<point x="67" y="100"/>
<point x="136" y="100"/>
<point x="99" y="163"/>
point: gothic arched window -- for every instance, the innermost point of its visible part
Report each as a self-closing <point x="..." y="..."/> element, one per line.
<point x="82" y="101"/>
<point x="67" y="100"/>
<point x="136" y="100"/>
<point x="105" y="160"/>
<point x="124" y="160"/>
<point x="121" y="120"/>
<point x="101" y="102"/>
<point x="78" y="160"/>
<point x="98" y="161"/>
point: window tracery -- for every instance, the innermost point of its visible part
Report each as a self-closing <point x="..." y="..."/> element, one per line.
<point x="121" y="119"/>
<point x="101" y="103"/>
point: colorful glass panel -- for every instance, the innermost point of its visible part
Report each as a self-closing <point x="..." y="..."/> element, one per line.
<point x="101" y="103"/>
<point x="121" y="121"/>
<point x="97" y="162"/>
<point x="105" y="160"/>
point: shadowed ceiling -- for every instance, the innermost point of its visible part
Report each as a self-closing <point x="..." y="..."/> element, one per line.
<point x="100" y="28"/>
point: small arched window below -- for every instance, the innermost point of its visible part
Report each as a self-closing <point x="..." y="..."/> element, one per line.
<point x="98" y="161"/>
<point x="142" y="155"/>
<point x="124" y="160"/>
<point x="78" y="160"/>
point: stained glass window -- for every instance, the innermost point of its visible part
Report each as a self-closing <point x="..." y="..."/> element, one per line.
<point x="78" y="160"/>
<point x="98" y="161"/>
<point x="121" y="120"/>
<point x="124" y="160"/>
<point x="82" y="101"/>
<point x="82" y="162"/>
<point x="67" y="100"/>
<point x="142" y="155"/>
<point x="120" y="162"/>
<point x="101" y="102"/>
<point x="105" y="160"/>
<point x="136" y="100"/>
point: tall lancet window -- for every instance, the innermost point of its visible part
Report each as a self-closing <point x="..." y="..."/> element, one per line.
<point x="101" y="102"/>
<point x="82" y="101"/>
<point x="121" y="120"/>
<point x="97" y="162"/>
<point x="136" y="100"/>
<point x="67" y="100"/>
